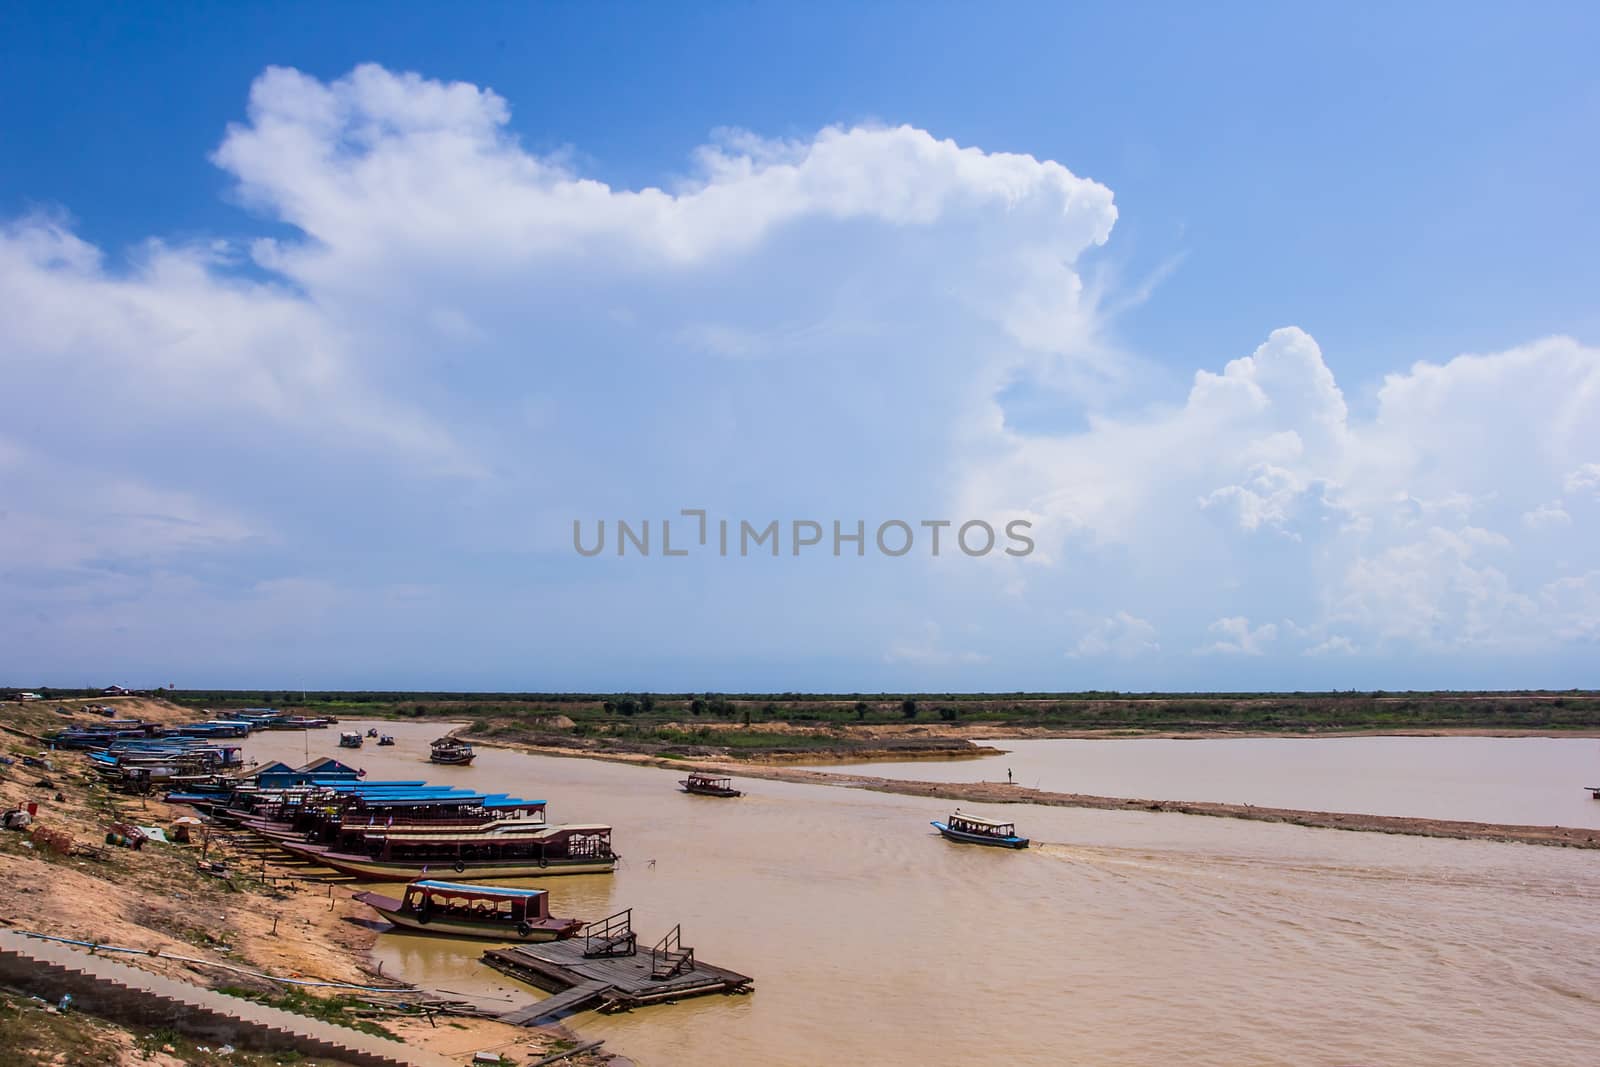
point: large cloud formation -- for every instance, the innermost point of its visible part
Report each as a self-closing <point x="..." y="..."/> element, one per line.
<point x="461" y="346"/>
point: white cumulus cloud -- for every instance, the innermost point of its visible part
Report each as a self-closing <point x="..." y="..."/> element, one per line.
<point x="1122" y="635"/>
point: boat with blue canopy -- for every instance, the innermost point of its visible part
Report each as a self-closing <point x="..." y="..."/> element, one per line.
<point x="974" y="830"/>
<point x="462" y="910"/>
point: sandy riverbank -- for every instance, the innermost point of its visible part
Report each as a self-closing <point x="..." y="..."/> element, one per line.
<point x="1000" y="793"/>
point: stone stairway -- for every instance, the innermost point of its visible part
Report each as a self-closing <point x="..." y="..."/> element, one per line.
<point x="102" y="986"/>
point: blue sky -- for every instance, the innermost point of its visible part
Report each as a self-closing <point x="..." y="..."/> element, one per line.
<point x="324" y="332"/>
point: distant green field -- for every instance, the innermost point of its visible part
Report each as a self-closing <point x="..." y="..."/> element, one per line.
<point x="1085" y="710"/>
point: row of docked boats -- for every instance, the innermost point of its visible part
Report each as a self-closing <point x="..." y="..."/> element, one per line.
<point x="237" y="724"/>
<point x="328" y="814"/>
<point x="459" y="909"/>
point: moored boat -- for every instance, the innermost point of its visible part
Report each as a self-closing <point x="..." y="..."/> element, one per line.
<point x="527" y="863"/>
<point x="450" y="750"/>
<point x="462" y="910"/>
<point x="707" y="785"/>
<point x="973" y="830"/>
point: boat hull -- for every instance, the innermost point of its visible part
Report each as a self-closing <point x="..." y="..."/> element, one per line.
<point x="395" y="912"/>
<point x="372" y="870"/>
<point x="980" y="839"/>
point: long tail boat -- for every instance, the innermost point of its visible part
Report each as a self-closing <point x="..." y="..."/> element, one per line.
<point x="473" y="911"/>
<point x="562" y="850"/>
<point x="451" y="751"/>
<point x="972" y="830"/>
<point x="707" y="785"/>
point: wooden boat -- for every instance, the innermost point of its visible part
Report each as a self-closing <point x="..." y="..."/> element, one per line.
<point x="451" y="751"/>
<point x="529" y="864"/>
<point x="1594" y="791"/>
<point x="972" y="830"/>
<point x="349" y="739"/>
<point x="372" y="731"/>
<point x="707" y="785"/>
<point x="385" y="740"/>
<point x="461" y="910"/>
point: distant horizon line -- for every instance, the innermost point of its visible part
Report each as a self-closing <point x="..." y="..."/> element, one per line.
<point x="67" y="692"/>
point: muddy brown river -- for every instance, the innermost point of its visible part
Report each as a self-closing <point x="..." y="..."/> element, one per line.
<point x="1123" y="938"/>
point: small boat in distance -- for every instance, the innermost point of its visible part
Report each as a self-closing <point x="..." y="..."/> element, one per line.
<point x="707" y="785"/>
<point x="461" y="910"/>
<point x="450" y="750"/>
<point x="372" y="731"/>
<point x="973" y="830"/>
<point x="386" y="739"/>
<point x="1594" y="791"/>
<point x="349" y="739"/>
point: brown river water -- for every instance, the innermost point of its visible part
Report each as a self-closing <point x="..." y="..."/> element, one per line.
<point x="1532" y="781"/>
<point x="1122" y="938"/>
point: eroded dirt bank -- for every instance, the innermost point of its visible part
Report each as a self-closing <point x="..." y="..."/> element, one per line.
<point x="261" y="914"/>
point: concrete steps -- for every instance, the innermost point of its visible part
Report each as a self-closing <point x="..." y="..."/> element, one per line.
<point x="102" y="986"/>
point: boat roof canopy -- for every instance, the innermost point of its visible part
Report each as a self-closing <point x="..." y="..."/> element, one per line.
<point x="979" y="820"/>
<point x="417" y="799"/>
<point x="483" y="890"/>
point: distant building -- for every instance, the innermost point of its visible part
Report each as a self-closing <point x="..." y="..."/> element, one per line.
<point x="114" y="691"/>
<point x="29" y="696"/>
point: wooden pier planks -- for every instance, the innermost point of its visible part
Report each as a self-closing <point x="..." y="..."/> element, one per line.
<point x="581" y="983"/>
<point x="578" y="998"/>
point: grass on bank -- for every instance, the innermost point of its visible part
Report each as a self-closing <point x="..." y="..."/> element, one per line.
<point x="338" y="1010"/>
<point x="33" y="1032"/>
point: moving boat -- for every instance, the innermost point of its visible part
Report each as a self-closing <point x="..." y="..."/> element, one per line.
<point x="452" y="751"/>
<point x="386" y="739"/>
<point x="707" y="785"/>
<point x="372" y="732"/>
<point x="974" y="830"/>
<point x="462" y="910"/>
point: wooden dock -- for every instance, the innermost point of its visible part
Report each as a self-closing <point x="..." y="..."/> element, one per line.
<point x="604" y="968"/>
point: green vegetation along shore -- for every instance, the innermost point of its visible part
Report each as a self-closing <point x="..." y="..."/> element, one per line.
<point x="865" y="725"/>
